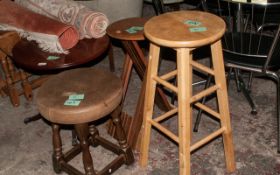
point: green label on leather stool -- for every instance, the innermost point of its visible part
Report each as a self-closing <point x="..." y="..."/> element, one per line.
<point x="72" y="102"/>
<point x="197" y="29"/>
<point x="76" y="97"/>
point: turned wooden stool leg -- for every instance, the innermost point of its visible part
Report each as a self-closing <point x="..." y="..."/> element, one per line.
<point x="11" y="90"/>
<point x="83" y="134"/>
<point x="149" y="102"/>
<point x="184" y="108"/>
<point x="217" y="57"/>
<point x="93" y="134"/>
<point x="74" y="138"/>
<point x="26" y="86"/>
<point x="57" y="155"/>
<point x="111" y="58"/>
<point x="121" y="136"/>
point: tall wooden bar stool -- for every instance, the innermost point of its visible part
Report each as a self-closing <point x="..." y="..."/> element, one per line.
<point x="130" y="32"/>
<point x="184" y="31"/>
<point x="79" y="97"/>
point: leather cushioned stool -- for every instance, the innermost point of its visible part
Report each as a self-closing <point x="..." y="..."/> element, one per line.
<point x="102" y="96"/>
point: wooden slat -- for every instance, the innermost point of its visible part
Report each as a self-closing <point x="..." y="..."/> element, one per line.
<point x="204" y="93"/>
<point x="166" y="84"/>
<point x="166" y="115"/>
<point x="208" y="110"/>
<point x="202" y="67"/>
<point x="169" y="75"/>
<point x="164" y="130"/>
<point x="207" y="139"/>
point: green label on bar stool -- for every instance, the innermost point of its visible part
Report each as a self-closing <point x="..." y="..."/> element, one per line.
<point x="192" y="23"/>
<point x="197" y="29"/>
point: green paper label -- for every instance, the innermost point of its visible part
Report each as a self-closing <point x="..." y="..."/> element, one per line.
<point x="192" y="23"/>
<point x="76" y="97"/>
<point x="53" y="57"/>
<point x="198" y="29"/>
<point x="134" y="29"/>
<point x="138" y="28"/>
<point x="72" y="102"/>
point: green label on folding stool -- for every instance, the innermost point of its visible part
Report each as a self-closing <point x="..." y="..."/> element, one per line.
<point x="134" y="29"/>
<point x="53" y="57"/>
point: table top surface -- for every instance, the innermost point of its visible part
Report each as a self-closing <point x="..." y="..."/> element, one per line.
<point x="127" y="29"/>
<point x="184" y="29"/>
<point x="28" y="56"/>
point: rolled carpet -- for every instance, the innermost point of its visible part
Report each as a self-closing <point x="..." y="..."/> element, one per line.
<point x="51" y="35"/>
<point x="90" y="23"/>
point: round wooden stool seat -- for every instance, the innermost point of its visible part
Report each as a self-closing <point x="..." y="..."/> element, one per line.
<point x="102" y="94"/>
<point x="118" y="30"/>
<point x="160" y="29"/>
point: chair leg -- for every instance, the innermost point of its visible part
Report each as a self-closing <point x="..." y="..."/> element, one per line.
<point x="184" y="78"/>
<point x="158" y="6"/>
<point x="236" y="75"/>
<point x="198" y="118"/>
<point x="278" y="112"/>
<point x="111" y="58"/>
<point x="26" y="86"/>
<point x="276" y="77"/>
<point x="83" y="134"/>
<point x="74" y="138"/>
<point x="249" y="85"/>
<point x="241" y="87"/>
<point x="57" y="155"/>
<point x="148" y="104"/>
<point x="121" y="136"/>
<point x="32" y="118"/>
<point x="246" y="93"/>
<point x="223" y="106"/>
<point x="12" y="92"/>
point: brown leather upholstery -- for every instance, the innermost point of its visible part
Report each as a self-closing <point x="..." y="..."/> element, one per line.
<point x="102" y="90"/>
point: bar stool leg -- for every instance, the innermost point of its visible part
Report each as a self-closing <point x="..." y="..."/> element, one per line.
<point x="121" y="137"/>
<point x="222" y="95"/>
<point x="83" y="134"/>
<point x="149" y="102"/>
<point x="57" y="155"/>
<point x="184" y="78"/>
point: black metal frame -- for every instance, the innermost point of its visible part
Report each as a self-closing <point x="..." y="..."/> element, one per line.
<point x="265" y="69"/>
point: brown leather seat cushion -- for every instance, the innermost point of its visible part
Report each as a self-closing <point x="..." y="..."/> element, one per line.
<point x="102" y="94"/>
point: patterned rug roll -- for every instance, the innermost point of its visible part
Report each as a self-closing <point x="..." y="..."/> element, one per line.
<point x="90" y="24"/>
<point x="51" y="35"/>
